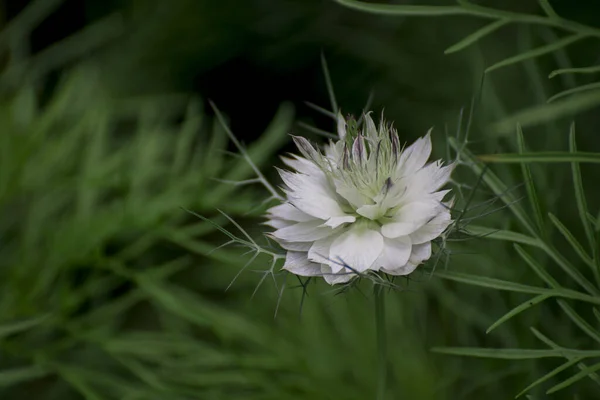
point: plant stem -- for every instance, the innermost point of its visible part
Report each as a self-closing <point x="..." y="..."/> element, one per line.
<point x="380" y="327"/>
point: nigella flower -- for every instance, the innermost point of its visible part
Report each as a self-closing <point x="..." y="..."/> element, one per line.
<point x="362" y="204"/>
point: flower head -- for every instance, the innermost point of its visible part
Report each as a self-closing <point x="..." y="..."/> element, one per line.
<point x="363" y="203"/>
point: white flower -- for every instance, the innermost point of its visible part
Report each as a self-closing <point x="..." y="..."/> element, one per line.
<point x="362" y="204"/>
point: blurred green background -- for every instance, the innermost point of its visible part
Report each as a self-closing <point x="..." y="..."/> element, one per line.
<point x="107" y="134"/>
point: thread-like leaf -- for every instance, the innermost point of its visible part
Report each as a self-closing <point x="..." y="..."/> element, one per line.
<point x="495" y="184"/>
<point x="11" y="328"/>
<point x="537" y="268"/>
<point x="550" y="374"/>
<point x="578" y="376"/>
<point x="548" y="112"/>
<point x="499" y="234"/>
<point x="329" y="84"/>
<point x="579" y="321"/>
<point x="580" y="194"/>
<point x="542" y="157"/>
<point x="403" y="10"/>
<point x="545" y="4"/>
<point x="582" y="88"/>
<point x="572" y="240"/>
<point x="499" y="284"/>
<point x="517" y="310"/>
<point x="15" y="376"/>
<point x="477" y="35"/>
<point x="534" y="201"/>
<point x="515" y="354"/>
<point x="581" y="70"/>
<point x="537" y="52"/>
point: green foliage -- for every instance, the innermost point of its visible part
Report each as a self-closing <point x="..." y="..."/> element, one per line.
<point x="580" y="101"/>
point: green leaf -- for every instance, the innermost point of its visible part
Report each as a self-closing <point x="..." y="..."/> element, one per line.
<point x="548" y="112"/>
<point x="545" y="4"/>
<point x="582" y="88"/>
<point x="9" y="377"/>
<point x="542" y="157"/>
<point x="580" y="195"/>
<point x="491" y="283"/>
<point x="498" y="284"/>
<point x="515" y="354"/>
<point x="582" y="70"/>
<point x="517" y="310"/>
<point x="572" y="240"/>
<point x="20" y="326"/>
<point x="550" y="374"/>
<point x="529" y="185"/>
<point x="477" y="35"/>
<point x="540" y="51"/>
<point x="565" y="265"/>
<point x="499" y="234"/>
<point x="578" y="376"/>
<point x="537" y="268"/>
<point x="402" y="10"/>
<point x="494" y="183"/>
<point x="552" y="344"/>
<point x="329" y="84"/>
<point x="579" y="321"/>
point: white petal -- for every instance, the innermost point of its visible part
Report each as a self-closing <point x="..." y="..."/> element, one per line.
<point x="370" y="129"/>
<point x="278" y="223"/>
<point x="341" y="125"/>
<point x="332" y="278"/>
<point x="432" y="229"/>
<point x="295" y="246"/>
<point x="306" y="148"/>
<point x="416" y="155"/>
<point x="350" y="193"/>
<point x="303" y="232"/>
<point x="371" y="211"/>
<point x="395" y="254"/>
<point x="358" y="248"/>
<point x="409" y="218"/>
<point x="440" y="177"/>
<point x="301" y="165"/>
<point x="319" y="251"/>
<point x="297" y="263"/>
<point x="312" y="195"/>
<point x="404" y="270"/>
<point x="289" y="212"/>
<point x="428" y="179"/>
<point x="334" y="222"/>
<point x="397" y="229"/>
<point x="420" y="253"/>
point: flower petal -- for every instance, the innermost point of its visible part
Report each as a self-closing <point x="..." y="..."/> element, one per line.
<point x="420" y="253"/>
<point x="371" y="211"/>
<point x="341" y="125"/>
<point x="319" y="251"/>
<point x="409" y="218"/>
<point x="303" y="232"/>
<point x="334" y="222"/>
<point x="295" y="246"/>
<point x="395" y="254"/>
<point x="432" y="229"/>
<point x="297" y="263"/>
<point x="289" y="212"/>
<point x="333" y="278"/>
<point x="312" y="195"/>
<point x="416" y="155"/>
<point x="350" y="193"/>
<point x="301" y="165"/>
<point x="358" y="248"/>
<point x="406" y="269"/>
